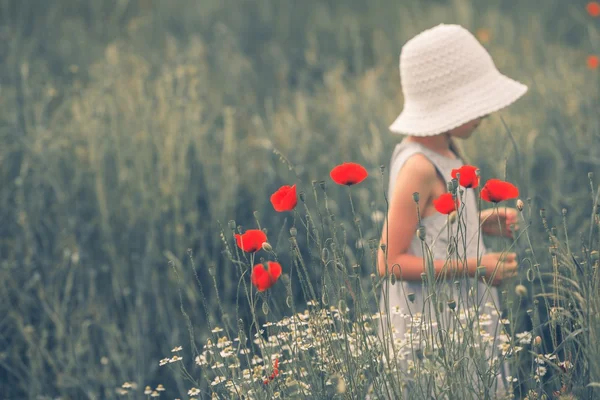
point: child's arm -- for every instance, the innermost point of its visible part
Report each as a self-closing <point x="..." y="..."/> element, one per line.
<point x="417" y="175"/>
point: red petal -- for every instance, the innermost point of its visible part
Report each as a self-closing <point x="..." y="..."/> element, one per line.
<point x="274" y="270"/>
<point x="593" y="8"/>
<point x="260" y="278"/>
<point x="445" y="204"/>
<point x="263" y="278"/>
<point x="496" y="191"/>
<point x="284" y="199"/>
<point x="251" y="241"/>
<point x="468" y="176"/>
<point x="348" y="174"/>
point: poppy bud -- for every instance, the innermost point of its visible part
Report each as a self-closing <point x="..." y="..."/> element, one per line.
<point x="293" y="231"/>
<point x="452" y="217"/>
<point x="416" y="197"/>
<point x="267" y="247"/>
<point x="342" y="307"/>
<point x="537" y="341"/>
<point x="454" y="184"/>
<point x="451" y="304"/>
<point x="302" y="196"/>
<point x="520" y="205"/>
<point x="419" y="354"/>
<point x="411" y="297"/>
<point x="521" y="290"/>
<point x="422" y="233"/>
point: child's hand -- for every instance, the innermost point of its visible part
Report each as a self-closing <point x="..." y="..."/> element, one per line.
<point x="499" y="266"/>
<point x="491" y="226"/>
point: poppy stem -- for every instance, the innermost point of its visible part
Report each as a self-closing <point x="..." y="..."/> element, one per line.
<point x="357" y="224"/>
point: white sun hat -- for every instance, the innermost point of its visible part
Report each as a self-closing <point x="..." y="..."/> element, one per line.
<point x="448" y="78"/>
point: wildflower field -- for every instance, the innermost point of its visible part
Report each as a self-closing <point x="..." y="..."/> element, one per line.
<point x="177" y="218"/>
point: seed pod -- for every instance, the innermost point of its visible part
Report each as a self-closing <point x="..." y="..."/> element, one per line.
<point x="416" y="197"/>
<point x="411" y="297"/>
<point x="452" y="304"/>
<point x="293" y="232"/>
<point x="232" y="225"/>
<point x="481" y="270"/>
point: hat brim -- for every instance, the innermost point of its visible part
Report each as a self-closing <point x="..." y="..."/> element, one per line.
<point x="472" y="101"/>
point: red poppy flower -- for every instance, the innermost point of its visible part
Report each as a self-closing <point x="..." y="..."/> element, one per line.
<point x="496" y="191"/>
<point x="284" y="199"/>
<point x="483" y="35"/>
<point x="445" y="204"/>
<point x="275" y="371"/>
<point x="593" y="62"/>
<point x="348" y="174"/>
<point x="251" y="241"/>
<point x="468" y="176"/>
<point x="263" y="278"/>
<point x="593" y="8"/>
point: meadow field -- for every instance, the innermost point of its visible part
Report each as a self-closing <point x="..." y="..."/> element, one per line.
<point x="137" y="137"/>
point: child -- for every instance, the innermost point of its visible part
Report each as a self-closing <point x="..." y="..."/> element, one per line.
<point x="450" y="84"/>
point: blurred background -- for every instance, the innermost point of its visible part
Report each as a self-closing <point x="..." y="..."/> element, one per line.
<point x="132" y="131"/>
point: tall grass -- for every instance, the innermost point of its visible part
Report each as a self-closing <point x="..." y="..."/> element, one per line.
<point x="130" y="129"/>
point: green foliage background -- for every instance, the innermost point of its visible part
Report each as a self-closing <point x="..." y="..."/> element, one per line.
<point x="130" y="128"/>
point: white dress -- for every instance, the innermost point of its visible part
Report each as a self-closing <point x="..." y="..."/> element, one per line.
<point x="418" y="329"/>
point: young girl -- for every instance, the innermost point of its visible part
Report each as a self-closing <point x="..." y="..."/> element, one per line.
<point x="450" y="84"/>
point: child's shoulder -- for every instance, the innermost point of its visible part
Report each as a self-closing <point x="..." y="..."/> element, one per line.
<point x="418" y="166"/>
